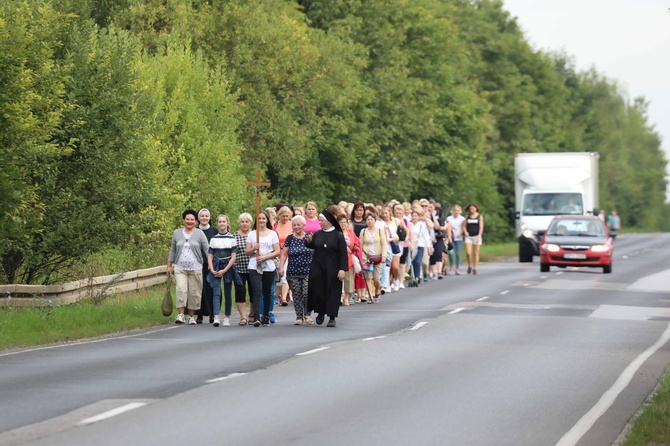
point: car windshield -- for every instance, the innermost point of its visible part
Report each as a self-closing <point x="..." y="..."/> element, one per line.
<point x="577" y="227"/>
<point x="553" y="204"/>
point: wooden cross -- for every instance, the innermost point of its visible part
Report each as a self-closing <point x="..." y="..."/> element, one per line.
<point x="257" y="184"/>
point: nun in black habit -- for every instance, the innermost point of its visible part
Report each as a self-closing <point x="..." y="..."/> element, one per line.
<point x="329" y="264"/>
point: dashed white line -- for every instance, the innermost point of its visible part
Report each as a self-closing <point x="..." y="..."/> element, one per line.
<point x="543" y="277"/>
<point x="309" y="352"/>
<point x="482" y="299"/>
<point x="112" y="413"/>
<point x="575" y="434"/>
<point x="559" y="273"/>
<point x="223" y="378"/>
<point x="504" y="292"/>
<point x="373" y="338"/>
<point x="457" y="310"/>
<point x="419" y="325"/>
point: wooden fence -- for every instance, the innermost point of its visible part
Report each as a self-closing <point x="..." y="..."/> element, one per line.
<point x="67" y="293"/>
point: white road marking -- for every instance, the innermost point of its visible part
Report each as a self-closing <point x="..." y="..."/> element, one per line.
<point x="373" y="338"/>
<point x="627" y="313"/>
<point x="419" y="325"/>
<point x="558" y="273"/>
<point x="573" y="436"/>
<point x="457" y="310"/>
<point x="94" y="341"/>
<point x="223" y="378"/>
<point x="543" y="277"/>
<point x="112" y="413"/>
<point x="309" y="352"/>
<point x="504" y="292"/>
<point x="657" y="282"/>
<point x="624" y="257"/>
<point x="482" y="299"/>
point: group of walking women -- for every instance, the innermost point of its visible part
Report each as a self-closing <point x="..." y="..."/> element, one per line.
<point x="348" y="253"/>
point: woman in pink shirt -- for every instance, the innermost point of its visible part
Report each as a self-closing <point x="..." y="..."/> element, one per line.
<point x="311" y="218"/>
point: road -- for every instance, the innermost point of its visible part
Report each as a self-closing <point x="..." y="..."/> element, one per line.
<point x="509" y="357"/>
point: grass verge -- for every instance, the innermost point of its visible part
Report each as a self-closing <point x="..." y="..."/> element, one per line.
<point x="497" y="251"/>
<point x="652" y="427"/>
<point x="26" y="327"/>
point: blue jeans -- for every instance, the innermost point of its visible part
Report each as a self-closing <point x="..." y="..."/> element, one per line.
<point x="458" y="244"/>
<point x="215" y="283"/>
<point x="386" y="271"/>
<point x="416" y="262"/>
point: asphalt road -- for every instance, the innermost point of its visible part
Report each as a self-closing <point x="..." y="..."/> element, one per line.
<point x="509" y="357"/>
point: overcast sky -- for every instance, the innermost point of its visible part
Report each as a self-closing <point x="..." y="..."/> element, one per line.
<point x="625" y="40"/>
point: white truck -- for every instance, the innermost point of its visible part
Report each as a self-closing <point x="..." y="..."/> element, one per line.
<point x="550" y="184"/>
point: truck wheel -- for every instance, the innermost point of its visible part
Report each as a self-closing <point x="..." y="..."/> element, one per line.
<point x="544" y="267"/>
<point x="525" y="258"/>
<point x="607" y="269"/>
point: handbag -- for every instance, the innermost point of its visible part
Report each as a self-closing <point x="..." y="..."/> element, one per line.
<point x="395" y="248"/>
<point x="167" y="305"/>
<point x="357" y="264"/>
<point x="375" y="258"/>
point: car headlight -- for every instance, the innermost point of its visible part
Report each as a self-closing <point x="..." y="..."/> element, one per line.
<point x="551" y="247"/>
<point x="600" y="248"/>
<point x="528" y="233"/>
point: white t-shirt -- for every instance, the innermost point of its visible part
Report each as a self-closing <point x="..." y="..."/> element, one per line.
<point x="457" y="226"/>
<point x="267" y="246"/>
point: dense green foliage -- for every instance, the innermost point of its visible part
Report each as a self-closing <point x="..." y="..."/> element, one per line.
<point x="117" y="115"/>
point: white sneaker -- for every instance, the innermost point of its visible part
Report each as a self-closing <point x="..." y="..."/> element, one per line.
<point x="226" y="322"/>
<point x="191" y="321"/>
<point x="217" y="321"/>
<point x="401" y="286"/>
<point x="179" y="319"/>
<point x="387" y="290"/>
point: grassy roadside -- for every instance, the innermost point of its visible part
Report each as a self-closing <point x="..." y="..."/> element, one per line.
<point x="497" y="251"/>
<point x="26" y="327"/>
<point x="652" y="427"/>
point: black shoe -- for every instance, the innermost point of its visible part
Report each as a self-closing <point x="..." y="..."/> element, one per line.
<point x="266" y="321"/>
<point x="257" y="320"/>
<point x="331" y="322"/>
<point x="319" y="319"/>
<point x="198" y="320"/>
<point x="211" y="319"/>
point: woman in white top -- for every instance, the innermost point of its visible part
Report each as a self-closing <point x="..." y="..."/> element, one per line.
<point x="455" y="220"/>
<point x="262" y="266"/>
<point x="390" y="280"/>
<point x="421" y="241"/>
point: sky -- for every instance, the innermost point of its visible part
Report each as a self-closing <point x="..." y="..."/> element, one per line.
<point x="625" y="40"/>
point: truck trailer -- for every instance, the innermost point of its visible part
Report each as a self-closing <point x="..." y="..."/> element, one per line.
<point x="550" y="184"/>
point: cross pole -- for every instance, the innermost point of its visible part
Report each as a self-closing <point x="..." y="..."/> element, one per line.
<point x="257" y="184"/>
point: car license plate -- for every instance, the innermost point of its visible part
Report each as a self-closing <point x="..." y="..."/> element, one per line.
<point x="576" y="256"/>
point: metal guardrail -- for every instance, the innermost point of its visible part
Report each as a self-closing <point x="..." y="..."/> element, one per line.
<point x="40" y="295"/>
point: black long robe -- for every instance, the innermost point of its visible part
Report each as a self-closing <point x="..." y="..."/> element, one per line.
<point x="330" y="256"/>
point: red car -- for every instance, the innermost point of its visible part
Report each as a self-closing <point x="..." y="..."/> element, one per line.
<point x="574" y="240"/>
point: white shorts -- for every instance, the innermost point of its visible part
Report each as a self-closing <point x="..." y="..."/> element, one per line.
<point x="476" y="240"/>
